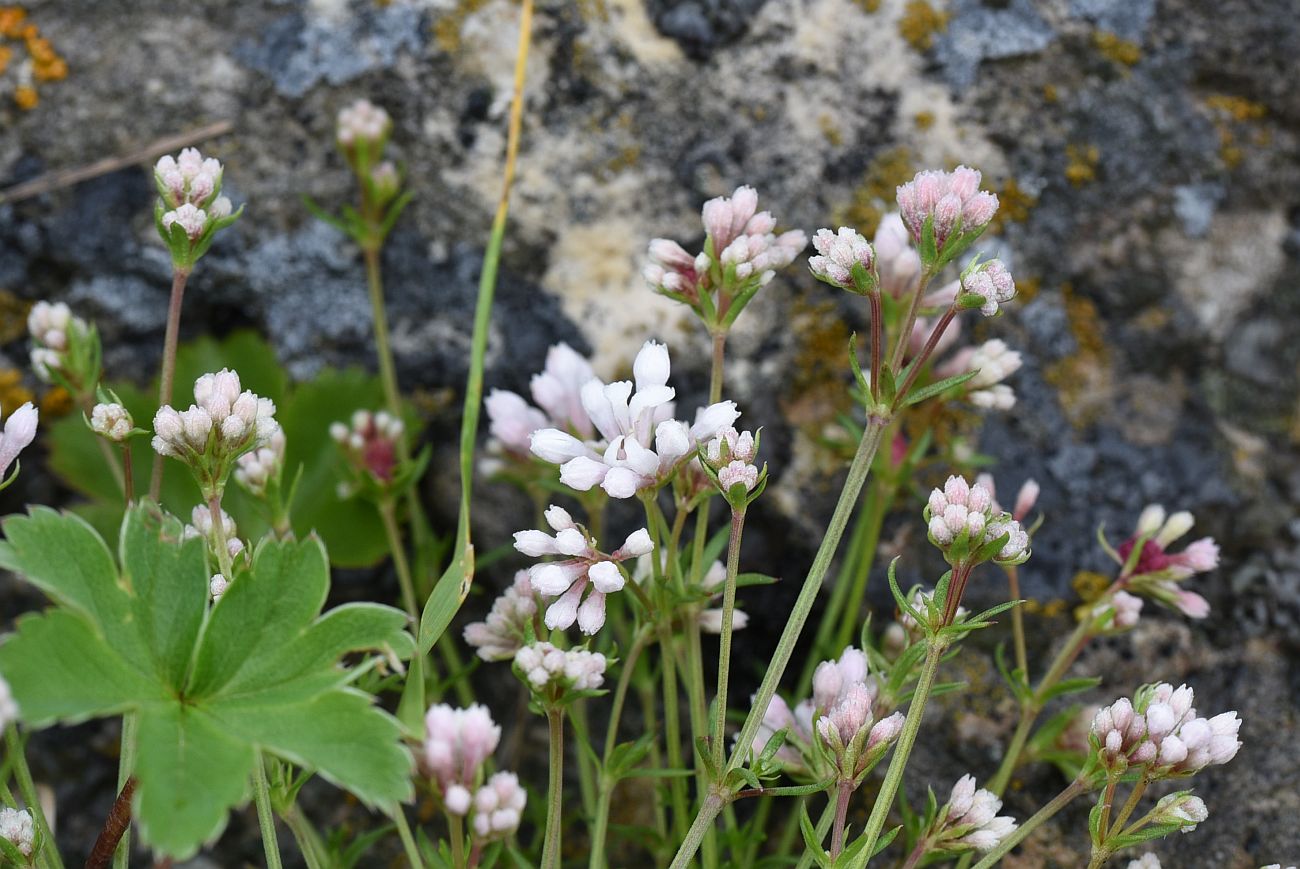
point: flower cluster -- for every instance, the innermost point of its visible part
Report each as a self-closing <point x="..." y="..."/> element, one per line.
<point x="190" y="207"/>
<point x="362" y="122"/>
<point x="969" y="820"/>
<point x="112" y="421"/>
<point x="8" y="706"/>
<point x="260" y="467"/>
<point x="1156" y="573"/>
<point x="53" y="331"/>
<point x="583" y="571"/>
<point x="225" y="422"/>
<point x="17" y="828"/>
<point x="844" y="259"/>
<point x="641" y="443"/>
<point x="370" y="444"/>
<point x="742" y="251"/>
<point x="1182" y="809"/>
<point x="201" y="527"/>
<point x="18" y="433"/>
<point x="731" y="456"/>
<point x="963" y="523"/>
<point x="988" y="286"/>
<point x="543" y="665"/>
<point x="1146" y="861"/>
<point x="498" y="807"/>
<point x="1125" y="608"/>
<point x="504" y="631"/>
<point x="948" y="207"/>
<point x="456" y="743"/>
<point x="994" y="362"/>
<point x="557" y="390"/>
<point x="1159" y="730"/>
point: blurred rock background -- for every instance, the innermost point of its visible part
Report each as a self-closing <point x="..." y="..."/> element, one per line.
<point x="1147" y="157"/>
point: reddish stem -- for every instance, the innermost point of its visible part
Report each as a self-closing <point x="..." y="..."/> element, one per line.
<point x="119" y="818"/>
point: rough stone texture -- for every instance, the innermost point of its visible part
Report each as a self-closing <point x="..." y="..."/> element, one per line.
<point x="1153" y="149"/>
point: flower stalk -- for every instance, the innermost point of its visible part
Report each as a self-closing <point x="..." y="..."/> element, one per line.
<point x="1060" y="801"/>
<point x="166" y="380"/>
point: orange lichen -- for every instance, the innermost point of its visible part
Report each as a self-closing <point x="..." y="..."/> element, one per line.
<point x="12" y="391"/>
<point x="1231" y="110"/>
<point x="26" y="97"/>
<point x="45" y="63"/>
<point x="920" y="22"/>
<point x="56" y="402"/>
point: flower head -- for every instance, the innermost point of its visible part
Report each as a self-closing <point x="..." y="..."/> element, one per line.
<point x="457" y="742"/>
<point x="641" y="443"/>
<point x="1157" y="572"/>
<point x="583" y="576"/>
<point x="962" y="522"/>
<point x="969" y="820"/>
<point x="64" y="348"/>
<point x="556" y="390"/>
<point x="1160" y="730"/>
<point x="112" y="421"/>
<point x="190" y="200"/>
<point x="18" y="433"/>
<point x="16" y="826"/>
<point x="544" y="667"/>
<point x="838" y="253"/>
<point x="262" y="466"/>
<point x="362" y="122"/>
<point x="371" y="444"/>
<point x="992" y="283"/>
<point x="498" y="807"/>
<point x="188" y="179"/>
<point x="503" y="632"/>
<point x="951" y="203"/>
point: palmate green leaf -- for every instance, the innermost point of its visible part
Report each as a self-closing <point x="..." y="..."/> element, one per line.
<point x="212" y="687"/>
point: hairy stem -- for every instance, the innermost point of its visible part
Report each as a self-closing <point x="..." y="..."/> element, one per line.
<point x="877" y="335"/>
<point x="715" y="372"/>
<point x="265" y="815"/>
<point x="718" y="746"/>
<point x="842" y="794"/>
<point x="408" y="840"/>
<point x="703" y="823"/>
<point x="314" y="852"/>
<point x="1060" y="801"/>
<point x="1129" y="806"/>
<point x="119" y="819"/>
<point x="126" y="763"/>
<point x="600" y="827"/>
<point x="555" y="790"/>
<point x="902" y="751"/>
<point x="919" y="362"/>
<point x="166" y="380"/>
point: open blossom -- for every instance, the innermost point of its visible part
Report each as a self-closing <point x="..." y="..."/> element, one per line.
<point x="498" y="807"/>
<point x="16" y="826"/>
<point x="542" y="665"/>
<point x="962" y="509"/>
<point x="951" y="200"/>
<point x="456" y="744"/>
<point x="260" y="466"/>
<point x="224" y="423"/>
<point x="583" y="576"/>
<point x="18" y="433"/>
<point x="362" y="122"/>
<point x="970" y="819"/>
<point x="742" y="238"/>
<point x="370" y="442"/>
<point x="641" y="442"/>
<point x="837" y="253"/>
<point x="556" y="390"/>
<point x="8" y="706"/>
<point x="992" y="282"/>
<point x="1158" y="572"/>
<point x="502" y="633"/>
<point x="1159" y="729"/>
<point x="732" y="455"/>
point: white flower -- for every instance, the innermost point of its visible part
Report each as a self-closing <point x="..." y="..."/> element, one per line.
<point x="1146" y="861"/>
<point x="191" y="219"/>
<point x="223" y="425"/>
<point x="502" y="633"/>
<point x="201" y="526"/>
<point x="18" y="433"/>
<point x="960" y="508"/>
<point x="557" y="390"/>
<point x="1159" y="728"/>
<point x="362" y="122"/>
<point x="456" y="744"/>
<point x="543" y="664"/>
<point x="112" y="421"/>
<point x="992" y="282"/>
<point x="994" y="362"/>
<point x="1127" y="607"/>
<point x="642" y="444"/>
<point x="49" y="323"/>
<point x="16" y="826"/>
<point x="897" y="261"/>
<point x="970" y="818"/>
<point x="838" y="252"/>
<point x="498" y="807"/>
<point x="217" y="586"/>
<point x="259" y="467"/>
<point x="187" y="179"/>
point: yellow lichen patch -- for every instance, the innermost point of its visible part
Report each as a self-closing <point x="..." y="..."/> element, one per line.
<point x="446" y="30"/>
<point x="1052" y="609"/>
<point x="830" y="130"/>
<point x="56" y="402"/>
<point x="1236" y="108"/>
<point x="920" y="22"/>
<point x="1228" y="111"/>
<point x="868" y="5"/>
<point x="816" y="393"/>
<point x="1115" y="49"/>
<point x="12" y="391"/>
<point x="1051" y="94"/>
<point x="1014" y="204"/>
<point x="1081" y="163"/>
<point x="1089" y="585"/>
<point x="875" y="195"/>
<point x="1027" y="287"/>
<point x="1084" y="380"/>
<point x="45" y="64"/>
<point x="923" y="120"/>
<point x="13" y="317"/>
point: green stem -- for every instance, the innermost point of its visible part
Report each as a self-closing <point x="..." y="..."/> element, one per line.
<point x="724" y="646"/>
<point x="803" y="605"/>
<point x="600" y="828"/>
<point x="383" y="347"/>
<point x="715" y="372"/>
<point x="902" y="751"/>
<point x="905" y="333"/>
<point x="1060" y="801"/>
<point x="265" y="815"/>
<point x="673" y="729"/>
<point x="1017" y="620"/>
<point x="408" y="840"/>
<point x="400" y="565"/>
<point x="167" y="377"/>
<point x="555" y="791"/>
<point x="27" y="788"/>
<point x="700" y="828"/>
<point x="456" y="830"/>
<point x="1129" y="807"/>
<point x="125" y="765"/>
<point x="218" y="542"/>
<point x="842" y="795"/>
<point x="586" y="773"/>
<point x="823" y="825"/>
<point x="822" y="640"/>
<point x="314" y="851"/>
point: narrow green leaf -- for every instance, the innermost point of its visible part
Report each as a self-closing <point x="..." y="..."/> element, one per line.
<point x="450" y="592"/>
<point x="916" y="396"/>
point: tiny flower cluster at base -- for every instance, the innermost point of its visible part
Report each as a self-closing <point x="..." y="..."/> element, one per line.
<point x="504" y="632"/>
<point x="579" y="581"/>
<point x="1160" y="731"/>
<point x="112" y="421"/>
<point x="201" y="527"/>
<point x="371" y="444"/>
<point x="59" y="343"/>
<point x="969" y="820"/>
<point x="18" y="433"/>
<point x="259" y="467"/>
<point x="1146" y="861"/>
<point x="16" y="826"/>
<point x="362" y="122"/>
<point x="543" y="666"/>
<point x="642" y="444"/>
